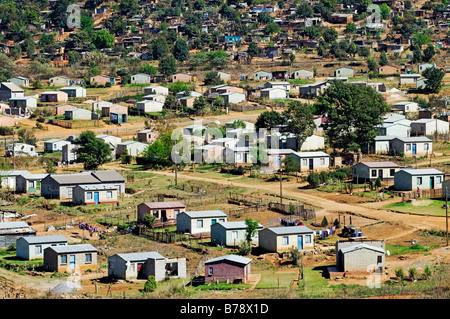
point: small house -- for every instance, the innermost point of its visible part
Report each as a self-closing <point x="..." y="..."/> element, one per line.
<point x="141" y="265"/>
<point x="313" y="161"/>
<point x="422" y="67"/>
<point x="147" y="136"/>
<point x="209" y="153"/>
<point x="20" y="81"/>
<point x="78" y="114"/>
<point x="224" y="76"/>
<point x="54" y="96"/>
<point x="198" y="222"/>
<point x="74" y="91"/>
<point x="184" y="77"/>
<point x="95" y="194"/>
<point x="11" y="231"/>
<point x="98" y="105"/>
<point x="156" y="89"/>
<point x="370" y="171"/>
<point x="111" y="140"/>
<point x="412" y="146"/>
<point x="141" y="78"/>
<point x="10" y="90"/>
<point x="102" y="79"/>
<point x="233" y="97"/>
<point x="344" y="72"/>
<point x="302" y="74"/>
<point x="406" y="107"/>
<point x="29" y="183"/>
<point x="62" y="108"/>
<point x="387" y="69"/>
<point x="134" y="148"/>
<point x="54" y="145"/>
<point x="262" y="75"/>
<point x="21" y="104"/>
<point x="279" y="239"/>
<point x="113" y="108"/>
<point x="408" y="79"/>
<point x="187" y="101"/>
<point x="33" y="247"/>
<point x="70" y="258"/>
<point x="155" y="97"/>
<point x="429" y="127"/>
<point x="59" y="81"/>
<point x="360" y="256"/>
<point x="398" y="128"/>
<point x="341" y="18"/>
<point x="229" y="268"/>
<point x="232" y="233"/>
<point x="69" y="155"/>
<point x="20" y="149"/>
<point x="273" y="93"/>
<point x="163" y="211"/>
<point x="412" y="179"/>
<point x="148" y="106"/>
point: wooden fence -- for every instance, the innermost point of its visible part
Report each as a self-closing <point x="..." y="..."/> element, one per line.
<point x="247" y="209"/>
<point x="302" y="211"/>
<point x="425" y="193"/>
<point x="78" y="124"/>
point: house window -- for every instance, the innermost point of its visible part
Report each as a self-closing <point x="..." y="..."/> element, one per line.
<point x="109" y="194"/>
<point x="221" y="219"/>
<point x="200" y="223"/>
<point x="304" y="162"/>
<point x="89" y="195"/>
<point x="285" y="240"/>
<point x="322" y="161"/>
<point x="63" y="260"/>
<point x="374" y="173"/>
<point x="419" y="180"/>
<point x="408" y="147"/>
<point x="210" y="270"/>
<point x="38" y="249"/>
<point x="425" y="146"/>
<point x="308" y="239"/>
<point x="392" y="172"/>
<point x="438" y="179"/>
<point x="379" y="259"/>
<point x="234" y="235"/>
<point x="88" y="258"/>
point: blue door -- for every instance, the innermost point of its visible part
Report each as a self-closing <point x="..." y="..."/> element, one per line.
<point x="300" y="241"/>
<point x="279" y="161"/>
<point x="96" y="200"/>
<point x="414" y="151"/>
<point x="72" y="262"/>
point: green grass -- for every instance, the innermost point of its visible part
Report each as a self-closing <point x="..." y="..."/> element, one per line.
<point x="274" y="279"/>
<point x="222" y="286"/>
<point x="432" y="209"/>
<point x="401" y="250"/>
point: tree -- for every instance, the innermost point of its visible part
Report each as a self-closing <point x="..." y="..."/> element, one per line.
<point x="428" y="53"/>
<point x="421" y="39"/>
<point x="304" y="10"/>
<point x="158" y="48"/>
<point x="371" y="64"/>
<point x="329" y="35"/>
<point x="350" y="28"/>
<point x="434" y="78"/>
<point x="250" y="231"/>
<point x="159" y="152"/>
<point x="150" y="285"/>
<point x="253" y="49"/>
<point x="312" y="32"/>
<point x="149" y="220"/>
<point x="417" y="54"/>
<point x="103" y="39"/>
<point x="383" y="59"/>
<point x="272" y="27"/>
<point x="200" y="104"/>
<point x="212" y="78"/>
<point x="6" y="67"/>
<point x="268" y="119"/>
<point x="353" y="113"/>
<point x="129" y="7"/>
<point x="27" y="136"/>
<point x="91" y="151"/>
<point x="264" y="18"/>
<point x="291" y="164"/>
<point x="181" y="50"/>
<point x="295" y="255"/>
<point x="384" y="11"/>
<point x="300" y="121"/>
<point x="148" y="69"/>
<point x="168" y="65"/>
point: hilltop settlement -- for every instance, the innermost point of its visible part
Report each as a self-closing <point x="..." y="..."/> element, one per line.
<point x="209" y="149"/>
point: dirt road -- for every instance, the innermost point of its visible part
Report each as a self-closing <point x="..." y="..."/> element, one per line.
<point x="327" y="205"/>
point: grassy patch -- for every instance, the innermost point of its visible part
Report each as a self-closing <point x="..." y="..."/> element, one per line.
<point x="274" y="279"/>
<point x="222" y="286"/>
<point x="433" y="208"/>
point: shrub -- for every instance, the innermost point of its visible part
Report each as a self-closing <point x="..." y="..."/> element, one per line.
<point x="427" y="271"/>
<point x="150" y="285"/>
<point x="412" y="273"/>
<point x="244" y="249"/>
<point x="400" y="273"/>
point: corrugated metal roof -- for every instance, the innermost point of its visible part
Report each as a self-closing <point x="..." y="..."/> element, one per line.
<point x="362" y="246"/>
<point x="379" y="164"/>
<point x="206" y="214"/>
<point x="76" y="178"/>
<point x="236" y="225"/>
<point x="234" y="258"/>
<point x="10" y="225"/>
<point x="73" y="248"/>
<point x="424" y="171"/>
<point x="141" y="256"/>
<point x="290" y="230"/>
<point x="45" y="239"/>
<point x="108" y="176"/>
<point x="164" y="205"/>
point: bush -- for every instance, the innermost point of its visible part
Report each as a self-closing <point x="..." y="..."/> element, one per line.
<point x="400" y="273"/>
<point x="150" y="284"/>
<point x="244" y="249"/>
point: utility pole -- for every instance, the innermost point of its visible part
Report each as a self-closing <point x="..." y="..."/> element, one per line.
<point x="446" y="216"/>
<point x="176" y="174"/>
<point x="281" y="186"/>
